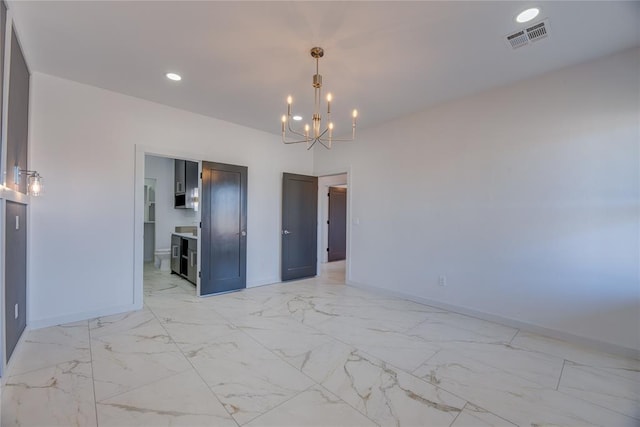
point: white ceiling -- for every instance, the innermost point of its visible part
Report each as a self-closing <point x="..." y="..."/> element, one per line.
<point x="240" y="60"/>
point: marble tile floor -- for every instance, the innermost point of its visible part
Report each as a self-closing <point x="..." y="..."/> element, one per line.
<point x="308" y="353"/>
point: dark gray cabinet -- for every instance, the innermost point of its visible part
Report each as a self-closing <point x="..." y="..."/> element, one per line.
<point x="15" y="274"/>
<point x="17" y="115"/>
<point x="186" y="181"/>
<point x="192" y="261"/>
<point x="184" y="257"/>
<point x="176" y="241"/>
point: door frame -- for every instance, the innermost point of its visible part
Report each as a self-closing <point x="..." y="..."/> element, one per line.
<point x="138" y="212"/>
<point x="322" y="193"/>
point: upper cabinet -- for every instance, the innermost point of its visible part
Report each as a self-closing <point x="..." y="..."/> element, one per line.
<point x="186" y="184"/>
<point x="17" y="115"/>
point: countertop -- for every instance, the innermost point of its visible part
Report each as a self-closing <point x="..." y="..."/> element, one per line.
<point x="186" y="235"/>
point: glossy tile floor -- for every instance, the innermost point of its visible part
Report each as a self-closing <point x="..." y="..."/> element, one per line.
<point x="308" y="353"/>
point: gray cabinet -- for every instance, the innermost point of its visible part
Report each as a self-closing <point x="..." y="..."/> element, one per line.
<point x="15" y="274"/>
<point x="186" y="183"/>
<point x="17" y="116"/>
<point x="192" y="261"/>
<point x="184" y="257"/>
<point x="176" y="243"/>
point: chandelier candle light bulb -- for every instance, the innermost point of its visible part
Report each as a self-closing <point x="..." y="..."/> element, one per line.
<point x="321" y="135"/>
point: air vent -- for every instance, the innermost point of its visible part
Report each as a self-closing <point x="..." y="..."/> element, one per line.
<point x="518" y="39"/>
<point x="530" y="34"/>
<point x="537" y="32"/>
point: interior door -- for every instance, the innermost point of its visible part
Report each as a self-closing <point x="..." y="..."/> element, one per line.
<point x="224" y="228"/>
<point x="15" y="291"/>
<point x="337" y="224"/>
<point x="299" y="226"/>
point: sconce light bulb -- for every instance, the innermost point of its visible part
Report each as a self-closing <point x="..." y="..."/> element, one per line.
<point x="355" y="113"/>
<point x="289" y="100"/>
<point x="329" y="97"/>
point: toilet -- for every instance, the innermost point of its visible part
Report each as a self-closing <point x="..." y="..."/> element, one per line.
<point x="163" y="259"/>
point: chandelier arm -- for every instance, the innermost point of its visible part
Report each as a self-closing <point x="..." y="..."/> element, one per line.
<point x="328" y="147"/>
<point x="294" y="131"/>
<point x="341" y="139"/>
<point x="294" y="142"/>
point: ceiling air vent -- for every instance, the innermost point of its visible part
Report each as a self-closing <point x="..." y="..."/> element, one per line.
<point x="518" y="39"/>
<point x="537" y="31"/>
<point x="530" y="34"/>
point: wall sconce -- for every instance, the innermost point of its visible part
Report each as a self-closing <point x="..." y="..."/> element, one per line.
<point x="34" y="180"/>
<point x="195" y="199"/>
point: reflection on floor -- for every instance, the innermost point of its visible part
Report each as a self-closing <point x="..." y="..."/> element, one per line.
<point x="304" y="353"/>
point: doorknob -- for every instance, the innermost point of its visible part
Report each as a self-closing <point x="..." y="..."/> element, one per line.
<point x="243" y="233"/>
<point x="285" y="232"/>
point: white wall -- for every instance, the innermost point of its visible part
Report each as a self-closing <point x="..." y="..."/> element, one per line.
<point x="83" y="141"/>
<point x="167" y="217"/>
<point x="526" y="197"/>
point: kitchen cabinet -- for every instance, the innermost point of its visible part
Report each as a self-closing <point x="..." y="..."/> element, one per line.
<point x="176" y="242"/>
<point x="184" y="257"/>
<point x="186" y="184"/>
<point x="192" y="261"/>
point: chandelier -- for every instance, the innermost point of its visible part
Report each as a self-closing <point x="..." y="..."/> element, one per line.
<point x="315" y="133"/>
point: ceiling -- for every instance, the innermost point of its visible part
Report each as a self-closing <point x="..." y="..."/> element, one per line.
<point x="239" y="60"/>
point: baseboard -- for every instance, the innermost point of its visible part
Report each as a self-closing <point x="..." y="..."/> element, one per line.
<point x="523" y="326"/>
<point x="76" y="317"/>
<point x="263" y="282"/>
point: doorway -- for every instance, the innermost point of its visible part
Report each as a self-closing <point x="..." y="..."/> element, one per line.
<point x="313" y="216"/>
<point x="337" y="222"/>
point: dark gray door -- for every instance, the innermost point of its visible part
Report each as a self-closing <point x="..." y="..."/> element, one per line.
<point x="337" y="224"/>
<point x="299" y="226"/>
<point x="15" y="291"/>
<point x="224" y="228"/>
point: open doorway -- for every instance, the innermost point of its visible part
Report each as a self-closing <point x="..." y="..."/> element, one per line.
<point x="333" y="225"/>
<point x="171" y="223"/>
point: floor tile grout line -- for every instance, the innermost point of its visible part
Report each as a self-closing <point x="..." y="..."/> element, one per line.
<point x="8" y="374"/>
<point x="564" y="362"/>
<point x="461" y="411"/>
<point x="195" y="370"/>
<point x="514" y="336"/>
<point x="93" y="377"/>
<point x="280" y="404"/>
<point x="599" y="405"/>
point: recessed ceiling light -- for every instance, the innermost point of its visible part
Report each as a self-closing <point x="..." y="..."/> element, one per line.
<point x="173" y="76"/>
<point x="297" y="118"/>
<point x="527" y="15"/>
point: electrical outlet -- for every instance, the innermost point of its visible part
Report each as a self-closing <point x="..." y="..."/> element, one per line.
<point x="16" y="311"/>
<point x="442" y="280"/>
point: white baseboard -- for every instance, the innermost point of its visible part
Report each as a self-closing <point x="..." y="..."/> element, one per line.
<point x="523" y="326"/>
<point x="76" y="317"/>
<point x="263" y="282"/>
